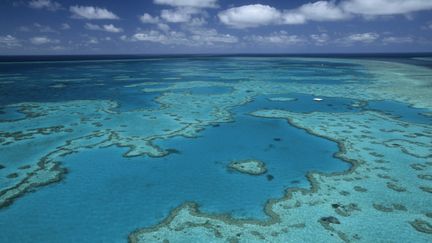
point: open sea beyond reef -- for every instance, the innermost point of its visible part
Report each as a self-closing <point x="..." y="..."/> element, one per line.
<point x="216" y="148"/>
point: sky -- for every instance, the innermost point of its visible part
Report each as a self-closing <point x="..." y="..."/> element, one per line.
<point x="58" y="27"/>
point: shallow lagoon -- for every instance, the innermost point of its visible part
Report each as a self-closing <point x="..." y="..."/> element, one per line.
<point x="106" y="195"/>
<point x="107" y="188"/>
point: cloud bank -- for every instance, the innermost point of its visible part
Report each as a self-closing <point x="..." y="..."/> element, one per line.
<point x="255" y="15"/>
<point x="90" y="12"/>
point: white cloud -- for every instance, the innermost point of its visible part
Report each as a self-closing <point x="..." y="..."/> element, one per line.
<point x="255" y="15"/>
<point x="189" y="3"/>
<point x="397" y="40"/>
<point x="45" y="4"/>
<point x="58" y="48"/>
<point x="250" y="16"/>
<point x="111" y="28"/>
<point x="42" y="40"/>
<point x="293" y="17"/>
<point x="159" y="37"/>
<point x="317" y="11"/>
<point x="368" y="37"/>
<point x="179" y="15"/>
<point x="385" y="7"/>
<point x="186" y="13"/>
<point x="93" y="41"/>
<point x="9" y="41"/>
<point x="148" y="19"/>
<point x="90" y="26"/>
<point x="90" y="12"/>
<point x="280" y="38"/>
<point x="189" y="37"/>
<point x="321" y="11"/>
<point x="163" y="27"/>
<point x="107" y="27"/>
<point x="364" y="37"/>
<point x="258" y="15"/>
<point x="211" y="37"/>
<point x="320" y="39"/>
<point x="195" y="22"/>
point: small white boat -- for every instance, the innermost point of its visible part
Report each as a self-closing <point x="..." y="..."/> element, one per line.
<point x="317" y="99"/>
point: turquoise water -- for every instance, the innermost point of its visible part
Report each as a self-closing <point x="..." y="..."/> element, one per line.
<point x="114" y="195"/>
<point x="106" y="195"/>
<point x="401" y="111"/>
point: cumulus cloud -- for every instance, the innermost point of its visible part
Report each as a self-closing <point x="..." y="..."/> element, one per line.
<point x="111" y="28"/>
<point x="93" y="41"/>
<point x="318" y="11"/>
<point x="320" y="39"/>
<point x="163" y="27"/>
<point x="280" y="38"/>
<point x="250" y="16"/>
<point x="321" y="11"/>
<point x="397" y="40"/>
<point x="42" y="40"/>
<point x="255" y="15"/>
<point x="187" y="37"/>
<point x="9" y="41"/>
<point x="90" y="12"/>
<point x="366" y="38"/>
<point x="385" y="7"/>
<point x="45" y="4"/>
<point x="258" y="15"/>
<point x="187" y="13"/>
<point x="58" y="48"/>
<point x="107" y="27"/>
<point x="90" y="26"/>
<point x="211" y="37"/>
<point x="196" y="22"/>
<point x="179" y="15"/>
<point x="148" y="19"/>
<point x="188" y="3"/>
<point x="159" y="37"/>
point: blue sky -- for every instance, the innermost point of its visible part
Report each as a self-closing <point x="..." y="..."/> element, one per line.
<point x="214" y="26"/>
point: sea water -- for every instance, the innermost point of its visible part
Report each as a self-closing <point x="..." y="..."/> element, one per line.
<point x="106" y="195"/>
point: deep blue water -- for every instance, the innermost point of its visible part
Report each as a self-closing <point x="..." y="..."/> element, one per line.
<point x="35" y="82"/>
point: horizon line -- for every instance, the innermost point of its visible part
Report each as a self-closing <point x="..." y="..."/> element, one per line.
<point x="219" y="54"/>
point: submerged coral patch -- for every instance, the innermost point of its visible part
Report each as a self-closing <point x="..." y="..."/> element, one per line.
<point x="249" y="166"/>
